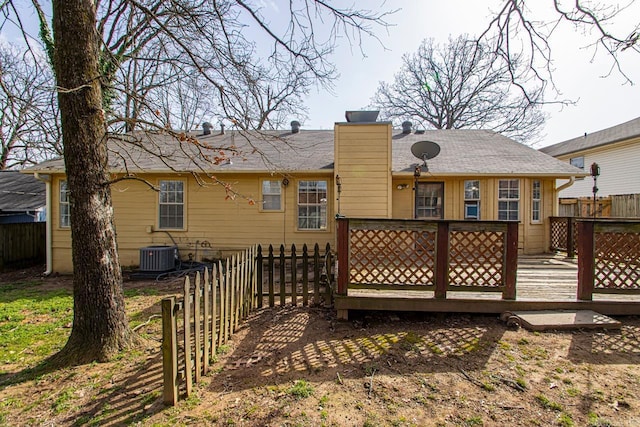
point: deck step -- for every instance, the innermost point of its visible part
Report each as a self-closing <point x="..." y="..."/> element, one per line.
<point x="559" y="319"/>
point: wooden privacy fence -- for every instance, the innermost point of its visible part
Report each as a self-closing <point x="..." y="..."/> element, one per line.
<point x="215" y="302"/>
<point x="608" y="258"/>
<point x="22" y="244"/>
<point x="625" y="205"/>
<point x="427" y="255"/>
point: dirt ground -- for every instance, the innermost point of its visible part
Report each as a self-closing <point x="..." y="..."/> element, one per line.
<point x="301" y="367"/>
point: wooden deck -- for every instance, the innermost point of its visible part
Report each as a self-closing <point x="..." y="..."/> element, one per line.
<point x="546" y="282"/>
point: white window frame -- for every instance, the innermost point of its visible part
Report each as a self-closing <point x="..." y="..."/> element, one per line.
<point x="269" y="193"/>
<point x="536" y="201"/>
<point x="577" y="162"/>
<point x="64" y="205"/>
<point x="509" y="200"/>
<point x="472" y="198"/>
<point x="169" y="202"/>
<point x="308" y="207"/>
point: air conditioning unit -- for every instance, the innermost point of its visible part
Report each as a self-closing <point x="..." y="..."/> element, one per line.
<point x="158" y="258"/>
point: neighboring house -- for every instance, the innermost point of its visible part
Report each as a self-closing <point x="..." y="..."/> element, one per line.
<point x="22" y="198"/>
<point x="288" y="186"/>
<point x="616" y="150"/>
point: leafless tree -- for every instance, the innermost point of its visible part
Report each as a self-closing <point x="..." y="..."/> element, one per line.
<point x="462" y="84"/>
<point x="210" y="37"/>
<point x="29" y="123"/>
<point x="527" y="30"/>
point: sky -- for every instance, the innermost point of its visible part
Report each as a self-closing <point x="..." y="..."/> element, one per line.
<point x="600" y="102"/>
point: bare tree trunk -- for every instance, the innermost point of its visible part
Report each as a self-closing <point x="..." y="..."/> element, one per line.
<point x="100" y="327"/>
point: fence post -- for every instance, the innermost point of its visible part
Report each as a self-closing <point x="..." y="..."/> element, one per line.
<point x="294" y="276"/>
<point x="343" y="255"/>
<point x="259" y="271"/>
<point x="442" y="260"/>
<point x="270" y="268"/>
<point x="328" y="267"/>
<point x="586" y="260"/>
<point x="510" y="268"/>
<point x="305" y="275"/>
<point x="197" y="343"/>
<point x="188" y="364"/>
<point x="571" y="252"/>
<point x="169" y="351"/>
<point x="316" y="274"/>
<point x="283" y="290"/>
<point x="207" y="322"/>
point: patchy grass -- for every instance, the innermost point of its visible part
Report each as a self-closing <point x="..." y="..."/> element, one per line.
<point x="34" y="323"/>
<point x="300" y="389"/>
<point x="300" y="367"/>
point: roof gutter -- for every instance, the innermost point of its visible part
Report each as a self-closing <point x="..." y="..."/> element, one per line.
<point x="48" y="227"/>
<point x="567" y="184"/>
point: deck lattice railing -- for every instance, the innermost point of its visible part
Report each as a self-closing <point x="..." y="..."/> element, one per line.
<point x="563" y="234"/>
<point x="427" y="255"/>
<point x="608" y="257"/>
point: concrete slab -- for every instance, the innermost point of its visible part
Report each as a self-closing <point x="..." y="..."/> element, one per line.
<point x="559" y="319"/>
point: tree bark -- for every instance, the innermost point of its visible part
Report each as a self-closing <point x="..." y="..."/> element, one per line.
<point x="100" y="327"/>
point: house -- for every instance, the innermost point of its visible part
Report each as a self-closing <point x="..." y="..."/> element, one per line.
<point x="616" y="150"/>
<point x="218" y="191"/>
<point x="22" y="198"/>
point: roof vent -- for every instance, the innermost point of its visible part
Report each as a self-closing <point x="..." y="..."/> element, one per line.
<point x="206" y="128"/>
<point x="295" y="126"/>
<point x="406" y="127"/>
<point x="221" y="128"/>
<point x="419" y="131"/>
<point x="361" y="116"/>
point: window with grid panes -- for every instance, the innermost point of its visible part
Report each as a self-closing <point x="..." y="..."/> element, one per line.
<point x="312" y="205"/>
<point x="508" y="200"/>
<point x="171" y="205"/>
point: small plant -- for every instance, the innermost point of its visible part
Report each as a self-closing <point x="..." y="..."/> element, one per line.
<point x="324" y="400"/>
<point x="521" y="382"/>
<point x="488" y="386"/>
<point x="548" y="404"/>
<point x="573" y="392"/>
<point x="595" y="421"/>
<point x="300" y="389"/>
<point x="473" y="421"/>
<point x="62" y="402"/>
<point x="565" y="420"/>
<point x="504" y="345"/>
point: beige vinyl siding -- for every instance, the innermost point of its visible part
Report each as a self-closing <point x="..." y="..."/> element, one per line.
<point x="619" y="171"/>
<point x="363" y="162"/>
<point x="214" y="225"/>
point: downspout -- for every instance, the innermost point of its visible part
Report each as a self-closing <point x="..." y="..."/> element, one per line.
<point x="567" y="184"/>
<point x="48" y="227"/>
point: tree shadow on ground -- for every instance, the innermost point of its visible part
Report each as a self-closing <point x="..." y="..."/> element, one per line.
<point x="284" y="345"/>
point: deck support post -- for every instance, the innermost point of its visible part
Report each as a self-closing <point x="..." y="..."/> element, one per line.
<point x="510" y="268"/>
<point x="571" y="251"/>
<point x="586" y="260"/>
<point x="343" y="256"/>
<point x="442" y="260"/>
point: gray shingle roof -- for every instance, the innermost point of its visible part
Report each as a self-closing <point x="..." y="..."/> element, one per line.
<point x="308" y="150"/>
<point x="628" y="130"/>
<point x="20" y="192"/>
<point x="467" y="151"/>
<point x="463" y="152"/>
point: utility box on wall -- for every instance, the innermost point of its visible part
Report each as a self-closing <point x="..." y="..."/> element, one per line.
<point x="158" y="258"/>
